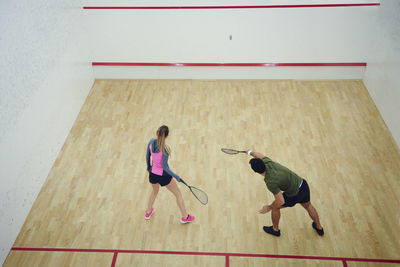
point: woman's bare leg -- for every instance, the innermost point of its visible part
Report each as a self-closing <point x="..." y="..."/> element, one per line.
<point x="173" y="187"/>
<point x="156" y="188"/>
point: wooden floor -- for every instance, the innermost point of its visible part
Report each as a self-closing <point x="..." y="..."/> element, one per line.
<point x="328" y="132"/>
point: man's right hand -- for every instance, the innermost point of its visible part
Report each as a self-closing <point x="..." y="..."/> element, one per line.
<point x="256" y="154"/>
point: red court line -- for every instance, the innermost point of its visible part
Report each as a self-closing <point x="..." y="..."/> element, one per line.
<point x="158" y="64"/>
<point x="344" y="263"/>
<point x="67" y="250"/>
<point x="114" y="260"/>
<point x="231" y="7"/>
<point x="226" y="261"/>
<point x="227" y="254"/>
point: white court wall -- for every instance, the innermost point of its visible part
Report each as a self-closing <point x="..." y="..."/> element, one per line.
<point x="382" y="76"/>
<point x="337" y="34"/>
<point x="45" y="76"/>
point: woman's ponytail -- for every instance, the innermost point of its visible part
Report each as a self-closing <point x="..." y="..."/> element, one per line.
<point x="162" y="133"/>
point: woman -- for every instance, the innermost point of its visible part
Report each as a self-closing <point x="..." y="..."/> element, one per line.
<point x="161" y="175"/>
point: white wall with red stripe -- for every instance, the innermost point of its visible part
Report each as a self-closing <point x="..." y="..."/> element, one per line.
<point x="248" y="35"/>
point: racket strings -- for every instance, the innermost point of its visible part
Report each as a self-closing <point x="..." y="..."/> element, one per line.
<point x="200" y="195"/>
<point x="229" y="151"/>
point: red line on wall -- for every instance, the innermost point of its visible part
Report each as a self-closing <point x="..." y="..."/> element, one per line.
<point x="145" y="64"/>
<point x="230" y="7"/>
<point x="207" y="254"/>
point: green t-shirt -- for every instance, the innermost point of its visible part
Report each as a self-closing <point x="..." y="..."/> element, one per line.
<point x="279" y="178"/>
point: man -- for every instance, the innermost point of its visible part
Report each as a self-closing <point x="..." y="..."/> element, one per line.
<point x="288" y="189"/>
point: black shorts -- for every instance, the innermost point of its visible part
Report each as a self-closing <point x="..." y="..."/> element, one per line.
<point x="163" y="179"/>
<point x="302" y="196"/>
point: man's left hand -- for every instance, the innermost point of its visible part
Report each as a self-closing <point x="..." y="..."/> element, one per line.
<point x="265" y="209"/>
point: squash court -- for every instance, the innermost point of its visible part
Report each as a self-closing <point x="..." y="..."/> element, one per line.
<point x="90" y="211"/>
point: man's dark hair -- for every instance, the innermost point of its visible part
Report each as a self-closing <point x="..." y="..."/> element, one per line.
<point x="257" y="165"/>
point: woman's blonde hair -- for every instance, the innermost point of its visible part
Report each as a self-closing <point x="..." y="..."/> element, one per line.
<point x="162" y="133"/>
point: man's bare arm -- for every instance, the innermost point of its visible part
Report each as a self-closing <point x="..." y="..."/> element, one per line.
<point x="255" y="154"/>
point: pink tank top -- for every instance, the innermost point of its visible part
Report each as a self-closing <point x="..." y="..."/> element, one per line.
<point x="157" y="162"/>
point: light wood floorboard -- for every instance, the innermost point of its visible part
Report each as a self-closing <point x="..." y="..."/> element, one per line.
<point x="328" y="132"/>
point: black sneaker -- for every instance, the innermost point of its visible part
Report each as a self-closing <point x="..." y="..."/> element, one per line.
<point x="270" y="230"/>
<point x="320" y="232"/>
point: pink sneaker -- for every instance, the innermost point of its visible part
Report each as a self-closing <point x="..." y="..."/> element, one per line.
<point x="148" y="215"/>
<point x="188" y="219"/>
